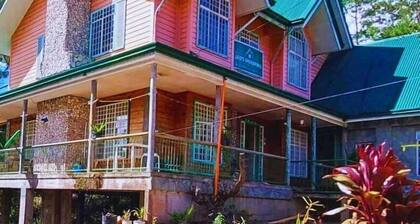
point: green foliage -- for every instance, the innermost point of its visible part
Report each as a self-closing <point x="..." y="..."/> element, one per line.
<point x="10" y="142"/>
<point x="140" y="213"/>
<point x="377" y="189"/>
<point x="98" y="128"/>
<point x="220" y="219"/>
<point x="379" y="19"/>
<point x="182" y="217"/>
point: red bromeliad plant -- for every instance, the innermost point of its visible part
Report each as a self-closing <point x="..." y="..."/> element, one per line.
<point x="377" y="189"/>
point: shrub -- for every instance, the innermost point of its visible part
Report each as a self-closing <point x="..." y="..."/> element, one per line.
<point x="377" y="189"/>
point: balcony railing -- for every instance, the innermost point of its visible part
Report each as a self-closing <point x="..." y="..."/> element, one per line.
<point x="182" y="155"/>
<point x="172" y="154"/>
<point x="9" y="161"/>
<point x="321" y="168"/>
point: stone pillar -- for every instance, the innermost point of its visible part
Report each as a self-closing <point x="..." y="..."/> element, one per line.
<point x="26" y="206"/>
<point x="66" y="35"/>
<point x="59" y="120"/>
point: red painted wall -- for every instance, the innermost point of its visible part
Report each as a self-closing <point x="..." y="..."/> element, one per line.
<point x="24" y="44"/>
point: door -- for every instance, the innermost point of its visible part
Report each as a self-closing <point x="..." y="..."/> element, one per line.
<point x="252" y="138"/>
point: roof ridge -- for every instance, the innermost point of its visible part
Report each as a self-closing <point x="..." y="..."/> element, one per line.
<point x="390" y="38"/>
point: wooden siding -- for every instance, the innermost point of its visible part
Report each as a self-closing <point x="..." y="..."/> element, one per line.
<point x="139" y="23"/>
<point x="166" y="26"/>
<point x="24" y="44"/>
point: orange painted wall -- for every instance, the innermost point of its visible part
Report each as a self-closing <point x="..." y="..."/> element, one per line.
<point x="24" y="44"/>
<point x="97" y="4"/>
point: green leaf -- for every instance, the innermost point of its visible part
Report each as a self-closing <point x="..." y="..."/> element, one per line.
<point x="12" y="140"/>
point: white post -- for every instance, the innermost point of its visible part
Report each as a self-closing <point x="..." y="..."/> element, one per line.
<point x="152" y="120"/>
<point x="313" y="147"/>
<point x="288" y="143"/>
<point x="92" y="112"/>
<point x="22" y="143"/>
<point x="25" y="206"/>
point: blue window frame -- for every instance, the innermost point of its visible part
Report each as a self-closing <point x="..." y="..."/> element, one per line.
<point x="102" y="31"/>
<point x="298" y="60"/>
<point x="213" y="26"/>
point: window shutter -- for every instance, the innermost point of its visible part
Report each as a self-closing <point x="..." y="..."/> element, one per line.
<point x="119" y="24"/>
<point x="40" y="55"/>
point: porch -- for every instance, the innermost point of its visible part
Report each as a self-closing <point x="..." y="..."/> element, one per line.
<point x="181" y="105"/>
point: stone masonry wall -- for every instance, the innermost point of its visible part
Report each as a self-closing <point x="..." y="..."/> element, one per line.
<point x="395" y="132"/>
<point x="67" y="120"/>
<point x="66" y="35"/>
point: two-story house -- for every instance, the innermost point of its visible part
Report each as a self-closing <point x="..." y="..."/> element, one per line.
<point x="121" y="98"/>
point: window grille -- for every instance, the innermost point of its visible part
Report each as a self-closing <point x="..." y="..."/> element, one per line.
<point x="102" y="29"/>
<point x="115" y="117"/>
<point x="213" y="25"/>
<point x="298" y="60"/>
<point x="299" y="154"/>
<point x="30" y="130"/>
<point x="204" y="125"/>
<point x="249" y="38"/>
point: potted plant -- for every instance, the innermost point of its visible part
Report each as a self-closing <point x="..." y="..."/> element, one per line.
<point x="77" y="167"/>
<point x="126" y="217"/>
<point x="140" y="213"/>
<point x="98" y="130"/>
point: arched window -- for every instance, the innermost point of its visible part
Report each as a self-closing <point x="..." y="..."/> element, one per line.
<point x="298" y="60"/>
<point x="213" y="25"/>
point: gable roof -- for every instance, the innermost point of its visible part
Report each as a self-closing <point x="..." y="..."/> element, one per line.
<point x="294" y="10"/>
<point x="387" y="71"/>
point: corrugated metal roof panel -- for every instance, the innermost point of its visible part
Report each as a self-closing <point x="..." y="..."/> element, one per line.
<point x="392" y="64"/>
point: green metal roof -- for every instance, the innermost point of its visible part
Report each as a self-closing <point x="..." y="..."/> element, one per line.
<point x="294" y="10"/>
<point x="387" y="72"/>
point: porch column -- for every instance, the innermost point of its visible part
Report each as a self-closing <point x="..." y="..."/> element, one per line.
<point x="288" y="144"/>
<point x="92" y="113"/>
<point x="217" y="108"/>
<point x="151" y="120"/>
<point x="22" y="143"/>
<point x="26" y="206"/>
<point x="344" y="140"/>
<point x="313" y="147"/>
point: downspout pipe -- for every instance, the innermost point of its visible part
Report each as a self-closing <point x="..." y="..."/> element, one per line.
<point x="155" y="19"/>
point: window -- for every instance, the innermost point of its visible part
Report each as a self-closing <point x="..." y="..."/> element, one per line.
<point x="102" y="27"/>
<point x="4" y="73"/>
<point x="107" y="28"/>
<point x="418" y="152"/>
<point x="115" y="117"/>
<point x="248" y="57"/>
<point x="204" y="131"/>
<point x="213" y="25"/>
<point x="30" y="132"/>
<point x="299" y="154"/>
<point x="250" y="38"/>
<point x="40" y="55"/>
<point x="298" y="60"/>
